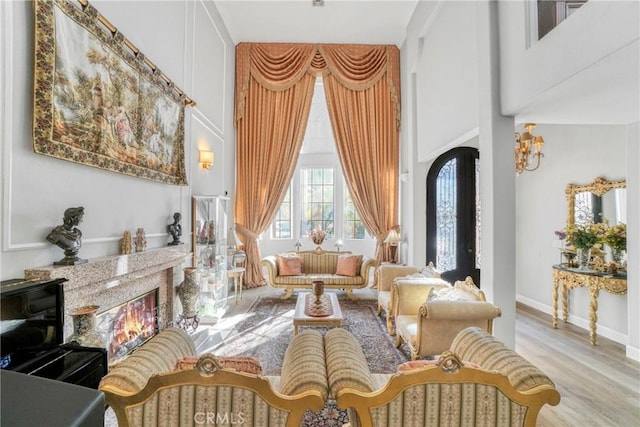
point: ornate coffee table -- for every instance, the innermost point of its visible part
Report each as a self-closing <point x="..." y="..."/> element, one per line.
<point x="301" y="319"/>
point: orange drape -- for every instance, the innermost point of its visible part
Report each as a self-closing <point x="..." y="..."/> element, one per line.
<point x="274" y="86"/>
<point x="363" y="104"/>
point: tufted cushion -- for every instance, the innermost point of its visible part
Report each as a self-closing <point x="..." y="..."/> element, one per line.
<point x="289" y="265"/>
<point x="303" y="366"/>
<point x="346" y="363"/>
<point x="239" y="363"/>
<point x="348" y="265"/>
<point x="476" y="345"/>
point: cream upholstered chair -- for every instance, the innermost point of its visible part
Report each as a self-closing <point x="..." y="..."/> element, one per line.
<point x="429" y="323"/>
<point x="388" y="273"/>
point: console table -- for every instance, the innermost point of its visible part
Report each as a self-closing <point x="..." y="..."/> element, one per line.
<point x="571" y="278"/>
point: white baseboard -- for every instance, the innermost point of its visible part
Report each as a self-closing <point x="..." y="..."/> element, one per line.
<point x="602" y="331"/>
<point x="633" y="353"/>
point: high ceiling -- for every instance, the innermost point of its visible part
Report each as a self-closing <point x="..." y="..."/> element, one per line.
<point x="605" y="93"/>
<point x="338" y="21"/>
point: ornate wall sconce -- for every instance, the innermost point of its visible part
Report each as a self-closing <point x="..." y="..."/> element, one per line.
<point x="206" y="159"/>
<point x="528" y="149"/>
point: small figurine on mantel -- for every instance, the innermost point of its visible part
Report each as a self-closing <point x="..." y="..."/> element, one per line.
<point x="69" y="237"/>
<point x="175" y="229"/>
<point x="126" y="246"/>
<point x="141" y="240"/>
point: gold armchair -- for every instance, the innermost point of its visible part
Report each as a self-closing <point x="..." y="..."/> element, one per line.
<point x="429" y="327"/>
<point x="387" y="274"/>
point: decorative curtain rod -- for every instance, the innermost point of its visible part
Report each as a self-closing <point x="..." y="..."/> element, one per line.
<point x="104" y="21"/>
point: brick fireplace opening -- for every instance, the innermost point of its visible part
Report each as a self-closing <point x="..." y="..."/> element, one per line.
<point x="128" y="325"/>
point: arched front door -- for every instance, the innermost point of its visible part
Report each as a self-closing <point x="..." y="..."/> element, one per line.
<point x="453" y="214"/>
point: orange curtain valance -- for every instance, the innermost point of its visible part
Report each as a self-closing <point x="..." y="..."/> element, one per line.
<point x="279" y="66"/>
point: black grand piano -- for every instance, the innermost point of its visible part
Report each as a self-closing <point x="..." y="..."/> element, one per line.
<point x="31" y="335"/>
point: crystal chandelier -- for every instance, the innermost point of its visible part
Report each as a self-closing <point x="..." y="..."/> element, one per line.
<point x="528" y="149"/>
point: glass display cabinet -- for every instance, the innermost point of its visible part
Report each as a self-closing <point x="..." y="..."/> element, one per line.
<point x="209" y="242"/>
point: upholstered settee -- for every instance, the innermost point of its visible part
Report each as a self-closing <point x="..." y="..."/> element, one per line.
<point x="164" y="383"/>
<point x="427" y="318"/>
<point x="479" y="381"/>
<point x="388" y="273"/>
<point x="303" y="267"/>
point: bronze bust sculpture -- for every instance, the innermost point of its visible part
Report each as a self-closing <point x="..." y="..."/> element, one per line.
<point x="175" y="229"/>
<point x="69" y="237"/>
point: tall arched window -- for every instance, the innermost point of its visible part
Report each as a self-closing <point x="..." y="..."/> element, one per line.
<point x="453" y="214"/>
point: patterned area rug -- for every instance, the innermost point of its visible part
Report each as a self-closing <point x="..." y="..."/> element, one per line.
<point x="268" y="329"/>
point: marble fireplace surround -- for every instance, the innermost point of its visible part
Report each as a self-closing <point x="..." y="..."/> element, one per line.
<point x="111" y="281"/>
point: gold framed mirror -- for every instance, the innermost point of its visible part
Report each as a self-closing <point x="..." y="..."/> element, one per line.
<point x="595" y="202"/>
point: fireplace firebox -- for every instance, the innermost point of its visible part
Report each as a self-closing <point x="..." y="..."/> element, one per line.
<point x="129" y="325"/>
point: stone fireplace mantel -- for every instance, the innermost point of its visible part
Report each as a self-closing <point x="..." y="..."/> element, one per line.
<point x="114" y="280"/>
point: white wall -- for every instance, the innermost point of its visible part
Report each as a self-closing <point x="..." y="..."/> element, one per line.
<point x="601" y="34"/>
<point x="573" y="154"/>
<point x="447" y="80"/>
<point x="189" y="43"/>
<point x="437" y="118"/>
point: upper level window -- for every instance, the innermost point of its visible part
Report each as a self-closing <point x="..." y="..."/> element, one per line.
<point x="552" y="13"/>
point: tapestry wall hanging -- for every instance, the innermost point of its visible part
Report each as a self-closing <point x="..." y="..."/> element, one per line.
<point x="99" y="101"/>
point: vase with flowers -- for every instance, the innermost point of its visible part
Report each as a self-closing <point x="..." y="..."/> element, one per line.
<point x="584" y="237"/>
<point x="616" y="238"/>
<point x="317" y="236"/>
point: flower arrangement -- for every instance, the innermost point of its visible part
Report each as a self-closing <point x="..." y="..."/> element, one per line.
<point x="561" y="235"/>
<point x="616" y="237"/>
<point x="317" y="236"/>
<point x="585" y="236"/>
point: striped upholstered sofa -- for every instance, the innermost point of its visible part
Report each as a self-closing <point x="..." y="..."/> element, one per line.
<point x="317" y="264"/>
<point x="478" y="382"/>
<point x="153" y="388"/>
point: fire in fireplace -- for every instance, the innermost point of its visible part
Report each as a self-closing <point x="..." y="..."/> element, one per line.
<point x="129" y="325"/>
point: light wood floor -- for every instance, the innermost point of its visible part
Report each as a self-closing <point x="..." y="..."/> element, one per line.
<point x="598" y="385"/>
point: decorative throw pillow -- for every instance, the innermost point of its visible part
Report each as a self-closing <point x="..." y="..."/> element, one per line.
<point x="430" y="271"/>
<point x="289" y="265"/>
<point x="348" y="265"/>
<point x="422" y="364"/>
<point x="416" y="364"/>
<point x="245" y="364"/>
<point x="444" y="294"/>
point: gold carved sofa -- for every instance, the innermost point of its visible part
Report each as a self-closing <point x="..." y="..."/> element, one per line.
<point x="479" y="381"/>
<point x="428" y="317"/>
<point x="151" y="388"/>
<point x="317" y="264"/>
<point x="388" y="273"/>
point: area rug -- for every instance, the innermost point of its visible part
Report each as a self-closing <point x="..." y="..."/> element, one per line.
<point x="268" y="328"/>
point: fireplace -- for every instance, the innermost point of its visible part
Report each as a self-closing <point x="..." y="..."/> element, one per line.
<point x="129" y="325"/>
<point x="113" y="281"/>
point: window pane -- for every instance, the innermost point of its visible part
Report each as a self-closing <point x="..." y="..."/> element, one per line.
<point x="281" y="226"/>
<point x="446" y="216"/>
<point x="353" y="225"/>
<point x="318" y="203"/>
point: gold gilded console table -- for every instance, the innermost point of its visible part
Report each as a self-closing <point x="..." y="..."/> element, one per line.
<point x="593" y="280"/>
